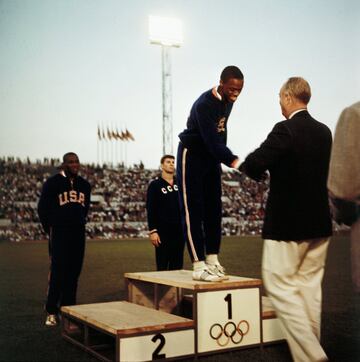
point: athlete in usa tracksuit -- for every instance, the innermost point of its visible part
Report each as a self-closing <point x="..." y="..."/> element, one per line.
<point x="201" y="151"/>
<point x="62" y="208"/>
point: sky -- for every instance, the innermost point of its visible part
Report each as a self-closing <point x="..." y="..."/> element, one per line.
<point x="67" y="66"/>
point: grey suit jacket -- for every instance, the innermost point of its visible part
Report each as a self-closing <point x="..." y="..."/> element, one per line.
<point x="344" y="171"/>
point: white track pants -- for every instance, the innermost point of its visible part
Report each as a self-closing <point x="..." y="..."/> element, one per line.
<point x="292" y="274"/>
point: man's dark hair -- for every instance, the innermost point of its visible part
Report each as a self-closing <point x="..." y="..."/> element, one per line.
<point x="231" y="71"/>
<point x="69" y="154"/>
<point x="163" y="158"/>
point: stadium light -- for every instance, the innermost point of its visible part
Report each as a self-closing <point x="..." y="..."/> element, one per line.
<point x="166" y="32"/>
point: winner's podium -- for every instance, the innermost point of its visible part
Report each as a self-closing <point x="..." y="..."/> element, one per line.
<point x="226" y="315"/>
<point x="168" y="315"/>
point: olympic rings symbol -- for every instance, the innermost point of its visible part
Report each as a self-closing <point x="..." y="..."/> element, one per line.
<point x="230" y="331"/>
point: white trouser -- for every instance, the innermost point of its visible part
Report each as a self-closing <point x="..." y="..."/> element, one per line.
<point x="292" y="274"/>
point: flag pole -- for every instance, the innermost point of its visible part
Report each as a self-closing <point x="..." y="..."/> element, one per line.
<point x="97" y="144"/>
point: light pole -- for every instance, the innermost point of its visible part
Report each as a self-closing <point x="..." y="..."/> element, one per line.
<point x="166" y="32"/>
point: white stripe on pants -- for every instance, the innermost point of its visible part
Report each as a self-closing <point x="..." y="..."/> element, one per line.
<point x="292" y="274"/>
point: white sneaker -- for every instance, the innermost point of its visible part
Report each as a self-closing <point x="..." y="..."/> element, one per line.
<point x="206" y="275"/>
<point x="218" y="270"/>
<point x="51" y="320"/>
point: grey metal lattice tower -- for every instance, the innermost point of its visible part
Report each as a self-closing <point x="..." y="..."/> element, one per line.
<point x="167" y="129"/>
<point x="166" y="32"/>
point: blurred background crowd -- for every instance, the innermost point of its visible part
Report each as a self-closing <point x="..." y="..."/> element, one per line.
<point x="117" y="202"/>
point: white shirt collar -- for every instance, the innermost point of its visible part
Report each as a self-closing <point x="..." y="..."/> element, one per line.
<point x="216" y="93"/>
<point x="299" y="110"/>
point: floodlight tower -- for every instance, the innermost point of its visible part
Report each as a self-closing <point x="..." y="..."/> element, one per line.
<point x="166" y="32"/>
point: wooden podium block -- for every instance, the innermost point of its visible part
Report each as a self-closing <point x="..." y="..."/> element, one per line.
<point x="272" y="326"/>
<point x="226" y="314"/>
<point x="183" y="279"/>
<point x="161" y="297"/>
<point x="125" y="331"/>
<point x="228" y="319"/>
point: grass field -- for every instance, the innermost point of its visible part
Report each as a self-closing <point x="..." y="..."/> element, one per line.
<point x="23" y="283"/>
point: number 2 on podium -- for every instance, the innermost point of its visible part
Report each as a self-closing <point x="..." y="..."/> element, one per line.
<point x="156" y="354"/>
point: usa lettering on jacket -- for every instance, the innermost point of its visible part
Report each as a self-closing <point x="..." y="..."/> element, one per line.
<point x="71" y="196"/>
<point x="169" y="188"/>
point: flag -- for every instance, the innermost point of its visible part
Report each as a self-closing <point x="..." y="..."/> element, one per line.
<point x="118" y="135"/>
<point x="124" y="136"/>
<point x="129" y="135"/>
<point x="98" y="133"/>
<point x="109" y="134"/>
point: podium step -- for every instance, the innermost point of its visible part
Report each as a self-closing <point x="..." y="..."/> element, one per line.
<point x="164" y="290"/>
<point x="272" y="327"/>
<point x="226" y="313"/>
<point x="123" y="331"/>
<point x="268" y="311"/>
<point x="183" y="279"/>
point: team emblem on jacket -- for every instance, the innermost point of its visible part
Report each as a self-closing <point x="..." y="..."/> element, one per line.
<point x="71" y="196"/>
<point x="167" y="189"/>
<point x="221" y="125"/>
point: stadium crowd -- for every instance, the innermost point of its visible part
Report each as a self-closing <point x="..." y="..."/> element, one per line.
<point x="118" y="200"/>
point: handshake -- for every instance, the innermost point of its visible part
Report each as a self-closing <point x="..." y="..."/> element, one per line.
<point x="242" y="171"/>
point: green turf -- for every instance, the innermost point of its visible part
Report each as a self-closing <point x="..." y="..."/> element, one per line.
<point x="24" y="268"/>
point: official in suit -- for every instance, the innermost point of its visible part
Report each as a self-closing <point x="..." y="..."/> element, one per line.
<point x="297" y="223"/>
<point x="344" y="177"/>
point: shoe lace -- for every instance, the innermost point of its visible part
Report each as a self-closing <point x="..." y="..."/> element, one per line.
<point x="220" y="268"/>
<point x="209" y="272"/>
<point x="217" y="268"/>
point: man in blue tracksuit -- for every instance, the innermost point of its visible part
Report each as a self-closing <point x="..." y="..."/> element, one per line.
<point x="63" y="207"/>
<point x="201" y="151"/>
<point x="162" y="205"/>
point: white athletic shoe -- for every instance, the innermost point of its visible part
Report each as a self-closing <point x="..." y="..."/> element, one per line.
<point x="206" y="275"/>
<point x="218" y="270"/>
<point x="51" y="320"/>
